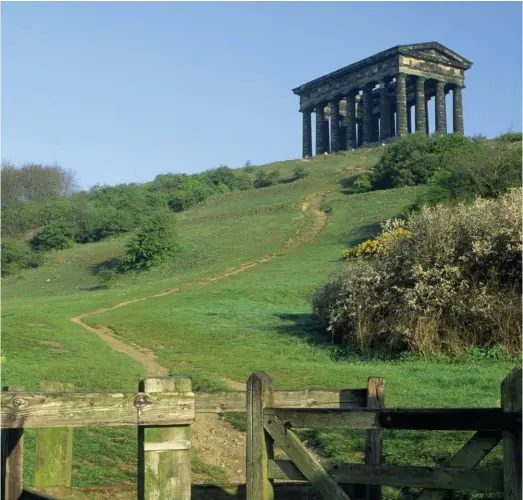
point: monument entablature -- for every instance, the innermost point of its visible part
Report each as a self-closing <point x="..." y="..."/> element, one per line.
<point x="370" y="100"/>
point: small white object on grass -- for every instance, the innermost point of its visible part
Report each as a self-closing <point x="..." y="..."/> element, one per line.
<point x="48" y="279"/>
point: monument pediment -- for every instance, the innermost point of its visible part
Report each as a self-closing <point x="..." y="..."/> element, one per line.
<point x="435" y="52"/>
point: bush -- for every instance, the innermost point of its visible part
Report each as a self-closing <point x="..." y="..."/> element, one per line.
<point x="243" y="181"/>
<point x="443" y="280"/>
<point x="17" y="255"/>
<point x="56" y="235"/>
<point x="487" y="173"/>
<point x="362" y="184"/>
<point x="300" y="172"/>
<point x="151" y="244"/>
<point x="413" y="159"/>
<point x="263" y="178"/>
<point x="511" y="137"/>
<point x="248" y="167"/>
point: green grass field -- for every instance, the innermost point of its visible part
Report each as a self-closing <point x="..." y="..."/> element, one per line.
<point x="259" y="319"/>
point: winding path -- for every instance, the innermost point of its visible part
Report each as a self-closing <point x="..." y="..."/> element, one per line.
<point x="215" y="440"/>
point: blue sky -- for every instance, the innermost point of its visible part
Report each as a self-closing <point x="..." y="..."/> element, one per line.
<point x="123" y="91"/>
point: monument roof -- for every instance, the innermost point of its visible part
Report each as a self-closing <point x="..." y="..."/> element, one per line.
<point x="430" y="51"/>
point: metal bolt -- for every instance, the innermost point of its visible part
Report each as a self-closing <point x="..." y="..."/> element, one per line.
<point x="140" y="401"/>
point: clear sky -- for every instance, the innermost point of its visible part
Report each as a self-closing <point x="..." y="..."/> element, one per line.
<point x="123" y="91"/>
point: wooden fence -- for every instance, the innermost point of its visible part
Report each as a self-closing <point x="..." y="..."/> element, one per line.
<point x="164" y="409"/>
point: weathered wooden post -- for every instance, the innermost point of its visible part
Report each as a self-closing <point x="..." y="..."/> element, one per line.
<point x="374" y="443"/>
<point x="164" y="453"/>
<point x="12" y="458"/>
<point x="54" y="448"/>
<point x="260" y="395"/>
<point x="511" y="402"/>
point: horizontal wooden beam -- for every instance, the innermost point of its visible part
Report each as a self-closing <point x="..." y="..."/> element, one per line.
<point x="289" y="491"/>
<point x="29" y="410"/>
<point x="224" y="402"/>
<point x="486" y="419"/>
<point x="447" y="478"/>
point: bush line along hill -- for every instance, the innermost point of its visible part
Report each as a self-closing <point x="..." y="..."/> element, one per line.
<point x="41" y="201"/>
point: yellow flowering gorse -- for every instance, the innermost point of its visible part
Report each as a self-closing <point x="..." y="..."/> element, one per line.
<point x="377" y="246"/>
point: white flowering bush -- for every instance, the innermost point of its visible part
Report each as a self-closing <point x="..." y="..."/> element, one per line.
<point x="453" y="281"/>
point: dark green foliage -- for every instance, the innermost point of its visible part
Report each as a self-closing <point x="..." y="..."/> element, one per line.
<point x="17" y="255"/>
<point x="511" y="137"/>
<point x="153" y="243"/>
<point x="56" y="235"/>
<point x="243" y="181"/>
<point x="488" y="172"/>
<point x="263" y="178"/>
<point x="300" y="172"/>
<point x="248" y="167"/>
<point x="362" y="184"/>
<point x="413" y="159"/>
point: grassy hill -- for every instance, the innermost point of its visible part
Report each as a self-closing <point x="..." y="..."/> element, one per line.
<point x="235" y="300"/>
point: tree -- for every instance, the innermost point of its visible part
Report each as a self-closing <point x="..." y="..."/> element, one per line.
<point x="152" y="244"/>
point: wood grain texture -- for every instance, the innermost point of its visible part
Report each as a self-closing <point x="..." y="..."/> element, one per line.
<point x="54" y="448"/>
<point x="395" y="418"/>
<point x="25" y="410"/>
<point x="235" y="401"/>
<point x="476" y="448"/>
<point x="511" y="403"/>
<point x="164" y="474"/>
<point x="448" y="478"/>
<point x="374" y="438"/>
<point x="259" y="444"/>
<point x="307" y="464"/>
<point x="12" y="458"/>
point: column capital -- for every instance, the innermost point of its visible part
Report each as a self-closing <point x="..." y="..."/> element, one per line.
<point x="421" y="79"/>
<point x="384" y="81"/>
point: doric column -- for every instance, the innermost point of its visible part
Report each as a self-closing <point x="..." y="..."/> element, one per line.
<point x="421" y="118"/>
<point x="441" y="109"/>
<point x="326" y="135"/>
<point x="307" y="134"/>
<point x="385" y="118"/>
<point x="367" y="114"/>
<point x="458" y="110"/>
<point x="375" y="135"/>
<point x="320" y="129"/>
<point x="392" y="121"/>
<point x="351" y="121"/>
<point x="360" y="133"/>
<point x="427" y="122"/>
<point x="401" y="103"/>
<point x="335" y="125"/>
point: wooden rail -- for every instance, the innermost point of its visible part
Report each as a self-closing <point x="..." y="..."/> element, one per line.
<point x="271" y="426"/>
<point x="164" y="408"/>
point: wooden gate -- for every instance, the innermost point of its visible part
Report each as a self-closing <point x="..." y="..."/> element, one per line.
<point x="268" y="426"/>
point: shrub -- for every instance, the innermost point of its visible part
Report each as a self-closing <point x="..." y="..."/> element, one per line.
<point x="413" y="159"/>
<point x="511" y="137"/>
<point x="300" y="172"/>
<point x="56" y="235"/>
<point x="151" y="244"/>
<point x="243" y="181"/>
<point x="263" y="178"/>
<point x="362" y="184"/>
<point x="488" y="172"/>
<point x="17" y="255"/>
<point x="248" y="167"/>
<point x="452" y="283"/>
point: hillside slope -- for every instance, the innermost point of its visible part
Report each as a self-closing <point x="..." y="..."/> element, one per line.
<point x="234" y="301"/>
